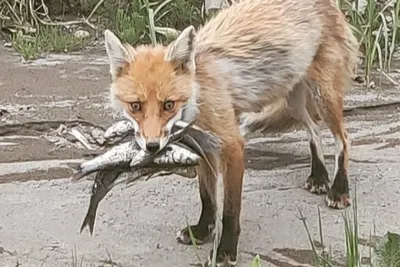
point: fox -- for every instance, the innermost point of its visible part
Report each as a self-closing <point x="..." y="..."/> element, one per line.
<point x="255" y="65"/>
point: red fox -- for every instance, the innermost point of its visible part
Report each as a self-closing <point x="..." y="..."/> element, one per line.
<point x="272" y="64"/>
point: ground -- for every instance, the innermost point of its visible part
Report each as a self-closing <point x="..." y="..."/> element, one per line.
<point x="42" y="210"/>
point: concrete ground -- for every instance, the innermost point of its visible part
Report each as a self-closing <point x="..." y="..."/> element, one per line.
<point x="41" y="210"/>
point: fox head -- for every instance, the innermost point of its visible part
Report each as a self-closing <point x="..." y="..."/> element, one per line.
<point x="153" y="86"/>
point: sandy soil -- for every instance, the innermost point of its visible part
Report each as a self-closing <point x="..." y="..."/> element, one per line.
<point x="41" y="210"/>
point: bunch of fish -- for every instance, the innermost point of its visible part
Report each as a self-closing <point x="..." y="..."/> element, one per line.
<point x="186" y="146"/>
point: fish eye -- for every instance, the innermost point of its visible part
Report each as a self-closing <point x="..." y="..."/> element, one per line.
<point x="168" y="105"/>
<point x="136" y="106"/>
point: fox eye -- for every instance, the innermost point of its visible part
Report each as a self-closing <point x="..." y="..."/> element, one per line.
<point x="168" y="105"/>
<point x="135" y="106"/>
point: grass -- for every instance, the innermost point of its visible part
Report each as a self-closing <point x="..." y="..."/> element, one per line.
<point x="376" y="25"/>
<point x="388" y="251"/>
<point x="141" y="23"/>
<point x="153" y="21"/>
<point x="48" y="39"/>
<point x="75" y="262"/>
<point x="37" y="30"/>
<point x="385" y="253"/>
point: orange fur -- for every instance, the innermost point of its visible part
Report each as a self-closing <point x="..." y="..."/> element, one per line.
<point x="252" y="55"/>
<point x="150" y="80"/>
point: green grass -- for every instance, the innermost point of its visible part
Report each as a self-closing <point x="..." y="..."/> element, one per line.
<point x="145" y="21"/>
<point x="388" y="251"/>
<point x="385" y="253"/>
<point x="134" y="21"/>
<point x="48" y="39"/>
<point x="376" y="26"/>
<point x="148" y="21"/>
<point x="256" y="262"/>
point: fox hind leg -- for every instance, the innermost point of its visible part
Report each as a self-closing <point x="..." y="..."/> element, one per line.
<point x="338" y="196"/>
<point x="318" y="180"/>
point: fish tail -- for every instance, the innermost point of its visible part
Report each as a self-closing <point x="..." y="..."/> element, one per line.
<point x="78" y="176"/>
<point x="89" y="221"/>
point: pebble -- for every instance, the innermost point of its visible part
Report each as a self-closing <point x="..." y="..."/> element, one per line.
<point x="81" y="34"/>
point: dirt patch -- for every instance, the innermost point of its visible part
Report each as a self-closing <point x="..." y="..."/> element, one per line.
<point x="268" y="160"/>
<point x="51" y="174"/>
<point x="392" y="130"/>
<point x="40" y="127"/>
<point x="365" y="141"/>
<point x="273" y="261"/>
<point x="390" y="143"/>
<point x="36" y="149"/>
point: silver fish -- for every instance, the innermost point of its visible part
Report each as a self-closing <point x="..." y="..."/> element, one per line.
<point x="180" y="156"/>
<point x="118" y="131"/>
<point x="205" y="140"/>
<point x="129" y="156"/>
<point x="105" y="180"/>
<point x="103" y="183"/>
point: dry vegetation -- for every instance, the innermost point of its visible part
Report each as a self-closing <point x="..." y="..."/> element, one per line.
<point x="34" y="27"/>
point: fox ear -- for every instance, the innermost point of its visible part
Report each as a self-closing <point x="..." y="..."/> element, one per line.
<point x="119" y="54"/>
<point x="181" y="51"/>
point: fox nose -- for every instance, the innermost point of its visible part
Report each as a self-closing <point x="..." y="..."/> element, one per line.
<point x="153" y="146"/>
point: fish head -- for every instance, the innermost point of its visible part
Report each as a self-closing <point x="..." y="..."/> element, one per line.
<point x="153" y="85"/>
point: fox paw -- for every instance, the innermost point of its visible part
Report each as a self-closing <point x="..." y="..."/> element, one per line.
<point x="336" y="200"/>
<point x="200" y="234"/>
<point x="317" y="185"/>
<point x="224" y="259"/>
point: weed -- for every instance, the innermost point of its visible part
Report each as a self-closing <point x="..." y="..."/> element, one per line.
<point x="376" y="25"/>
<point x="75" y="262"/>
<point x="353" y="256"/>
<point x="388" y="251"/>
<point x="48" y="39"/>
<point x="256" y="261"/>
<point x="129" y="27"/>
<point x="320" y="260"/>
<point x="142" y="21"/>
<point x="377" y="28"/>
<point x="25" y="45"/>
<point x="385" y="254"/>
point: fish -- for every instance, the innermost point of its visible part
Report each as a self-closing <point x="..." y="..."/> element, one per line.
<point x="129" y="156"/>
<point x="103" y="183"/>
<point x="185" y="147"/>
<point x="180" y="156"/>
<point x="117" y="132"/>
<point x="206" y="140"/>
<point x="105" y="180"/>
<point x="119" y="128"/>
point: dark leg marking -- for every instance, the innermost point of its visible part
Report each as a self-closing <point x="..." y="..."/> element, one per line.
<point x="338" y="196"/>
<point x="318" y="181"/>
<point x="202" y="232"/>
